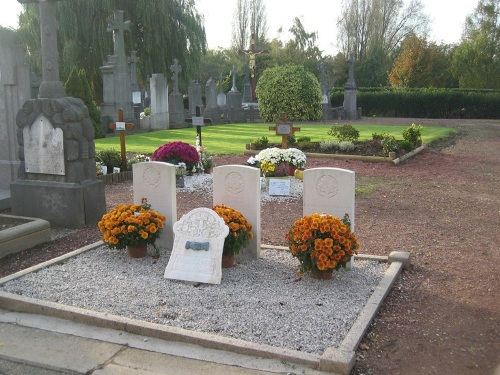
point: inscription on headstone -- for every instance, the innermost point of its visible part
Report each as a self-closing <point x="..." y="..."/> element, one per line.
<point x="43" y="148"/>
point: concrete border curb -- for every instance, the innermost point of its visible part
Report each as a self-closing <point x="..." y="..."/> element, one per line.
<point x="334" y="360"/>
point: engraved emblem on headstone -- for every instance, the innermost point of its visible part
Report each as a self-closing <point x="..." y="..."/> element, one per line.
<point x="151" y="176"/>
<point x="234" y="183"/>
<point x="327" y="187"/>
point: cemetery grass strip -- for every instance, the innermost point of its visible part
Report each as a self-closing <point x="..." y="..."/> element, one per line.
<point x="231" y="139"/>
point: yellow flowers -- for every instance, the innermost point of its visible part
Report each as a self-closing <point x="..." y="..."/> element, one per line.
<point x="322" y="241"/>
<point x="240" y="230"/>
<point x="131" y="224"/>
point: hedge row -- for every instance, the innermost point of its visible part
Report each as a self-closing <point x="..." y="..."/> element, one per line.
<point x="425" y="103"/>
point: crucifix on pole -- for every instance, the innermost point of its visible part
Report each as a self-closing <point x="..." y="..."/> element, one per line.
<point x="285" y="129"/>
<point x="121" y="126"/>
<point x="252" y="53"/>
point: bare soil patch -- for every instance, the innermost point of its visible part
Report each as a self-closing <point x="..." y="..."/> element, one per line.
<point x="443" y="206"/>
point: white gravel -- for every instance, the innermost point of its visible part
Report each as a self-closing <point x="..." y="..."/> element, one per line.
<point x="204" y="183"/>
<point x="261" y="301"/>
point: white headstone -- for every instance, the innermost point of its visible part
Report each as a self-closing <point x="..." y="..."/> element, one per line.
<point x="43" y="148"/>
<point x="330" y="191"/>
<point x="155" y="181"/>
<point x="198" y="244"/>
<point x="238" y="187"/>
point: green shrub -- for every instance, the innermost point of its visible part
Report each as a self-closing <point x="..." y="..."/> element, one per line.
<point x="377" y="136"/>
<point x="262" y="142"/>
<point x="325" y="146"/>
<point x="389" y="143"/>
<point x="405" y="145"/>
<point x="344" y="133"/>
<point x="289" y="89"/>
<point x="291" y="140"/>
<point x="110" y="157"/>
<point x="303" y="139"/>
<point x="346" y="146"/>
<point x="413" y="134"/>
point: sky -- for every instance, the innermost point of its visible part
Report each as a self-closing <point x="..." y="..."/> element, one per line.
<point x="447" y="19"/>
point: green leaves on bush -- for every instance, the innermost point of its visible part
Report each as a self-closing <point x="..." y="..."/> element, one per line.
<point x="344" y="133"/>
<point x="110" y="157"/>
<point x="413" y="134"/>
<point x="289" y="89"/>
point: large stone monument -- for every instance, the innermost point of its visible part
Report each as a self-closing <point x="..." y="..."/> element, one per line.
<point x="116" y="76"/>
<point x="159" y="118"/>
<point x="350" y="104"/>
<point x="175" y="101"/>
<point x="57" y="174"/>
<point x="14" y="91"/>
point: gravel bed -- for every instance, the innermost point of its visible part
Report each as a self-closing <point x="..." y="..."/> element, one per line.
<point x="261" y="301"/>
<point x="204" y="183"/>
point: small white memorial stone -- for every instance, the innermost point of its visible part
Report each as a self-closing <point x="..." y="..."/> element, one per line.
<point x="279" y="186"/>
<point x="198" y="244"/>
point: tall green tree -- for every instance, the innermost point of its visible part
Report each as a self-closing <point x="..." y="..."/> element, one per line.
<point x="160" y="31"/>
<point x="476" y="61"/>
<point x="422" y="64"/>
<point x="78" y="86"/>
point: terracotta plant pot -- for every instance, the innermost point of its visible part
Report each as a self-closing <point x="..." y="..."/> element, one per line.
<point x="137" y="251"/>
<point x="227" y="261"/>
<point x="321" y="275"/>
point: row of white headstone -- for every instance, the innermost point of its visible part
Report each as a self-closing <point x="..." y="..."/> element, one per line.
<point x="325" y="190"/>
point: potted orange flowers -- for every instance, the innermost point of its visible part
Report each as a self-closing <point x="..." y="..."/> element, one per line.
<point x="322" y="243"/>
<point x="240" y="233"/>
<point x="132" y="226"/>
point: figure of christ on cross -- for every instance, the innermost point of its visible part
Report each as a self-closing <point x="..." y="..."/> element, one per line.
<point x="252" y="53"/>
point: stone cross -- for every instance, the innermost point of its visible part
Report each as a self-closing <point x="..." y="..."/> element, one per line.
<point x="350" y="81"/>
<point x="322" y="69"/>
<point x="285" y="129"/>
<point x="51" y="86"/>
<point x="252" y="53"/>
<point x="118" y="27"/>
<point x="133" y="60"/>
<point x="121" y="126"/>
<point x="176" y="69"/>
<point x="233" y="73"/>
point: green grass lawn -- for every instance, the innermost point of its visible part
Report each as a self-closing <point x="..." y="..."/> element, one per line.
<point x="231" y="139"/>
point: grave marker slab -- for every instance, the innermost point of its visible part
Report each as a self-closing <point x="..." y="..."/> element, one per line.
<point x="238" y="187"/>
<point x="329" y="190"/>
<point x="198" y="244"/>
<point x="155" y="181"/>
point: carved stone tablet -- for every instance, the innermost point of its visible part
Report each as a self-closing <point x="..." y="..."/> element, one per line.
<point x="43" y="148"/>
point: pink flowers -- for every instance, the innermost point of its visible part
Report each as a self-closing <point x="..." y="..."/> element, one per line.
<point x="175" y="153"/>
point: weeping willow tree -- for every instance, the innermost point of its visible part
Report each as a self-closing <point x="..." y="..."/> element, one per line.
<point x="160" y="31"/>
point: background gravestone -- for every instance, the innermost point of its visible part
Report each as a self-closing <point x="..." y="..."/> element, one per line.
<point x="14" y="90"/>
<point x="57" y="174"/>
<point x="159" y="118"/>
<point x="350" y="102"/>
<point x="238" y="187"/>
<point x="116" y="76"/>
<point x="194" y="95"/>
<point x="175" y="101"/>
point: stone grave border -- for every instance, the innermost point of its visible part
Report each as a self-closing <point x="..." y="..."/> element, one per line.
<point x="25" y="233"/>
<point x="339" y="360"/>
